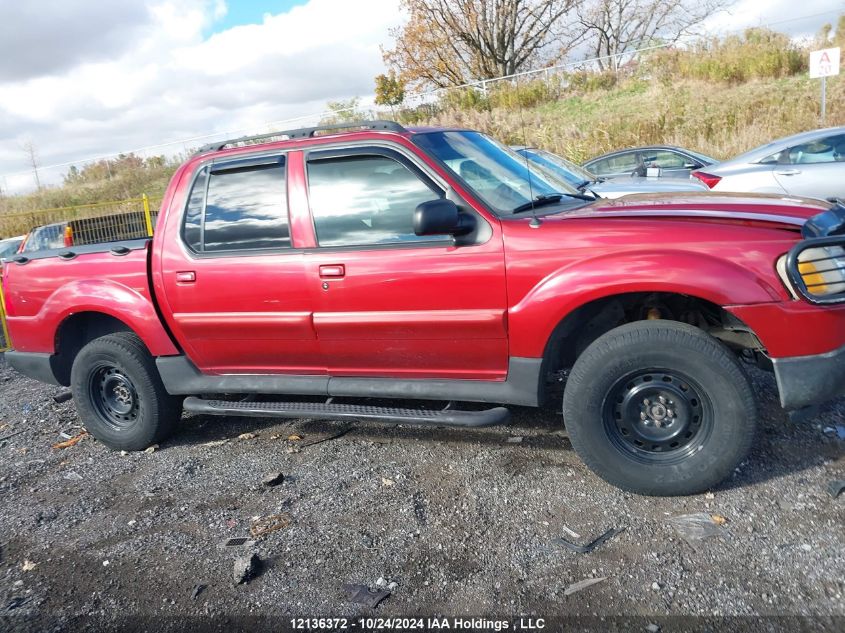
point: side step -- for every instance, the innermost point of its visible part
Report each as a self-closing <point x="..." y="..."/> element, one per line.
<point x="331" y="411"/>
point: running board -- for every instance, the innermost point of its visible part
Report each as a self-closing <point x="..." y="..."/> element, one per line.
<point x="331" y="411"/>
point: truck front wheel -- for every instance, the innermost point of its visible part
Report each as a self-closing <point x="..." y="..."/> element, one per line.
<point x="659" y="408"/>
<point x="119" y="394"/>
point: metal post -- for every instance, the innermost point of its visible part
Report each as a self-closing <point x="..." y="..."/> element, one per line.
<point x="147" y="217"/>
<point x="824" y="98"/>
<point x="7" y="342"/>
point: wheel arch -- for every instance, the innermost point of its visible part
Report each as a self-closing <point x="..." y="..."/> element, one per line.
<point x="583" y="325"/>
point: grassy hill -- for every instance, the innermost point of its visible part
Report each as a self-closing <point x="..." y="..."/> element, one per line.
<point x="714" y="118"/>
<point x="721" y="97"/>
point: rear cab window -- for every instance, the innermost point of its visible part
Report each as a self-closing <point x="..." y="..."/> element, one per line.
<point x="238" y="206"/>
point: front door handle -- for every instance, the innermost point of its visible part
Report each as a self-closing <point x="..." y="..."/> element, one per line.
<point x="333" y="271"/>
<point x="186" y="277"/>
<point x="788" y="172"/>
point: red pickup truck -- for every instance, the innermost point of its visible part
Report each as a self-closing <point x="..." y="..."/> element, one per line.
<point x="305" y="277"/>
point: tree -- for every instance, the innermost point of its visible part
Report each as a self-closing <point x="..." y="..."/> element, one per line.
<point x="32" y="158"/>
<point x="390" y="91"/>
<point x="613" y="27"/>
<point x="343" y="111"/>
<point x="453" y="42"/>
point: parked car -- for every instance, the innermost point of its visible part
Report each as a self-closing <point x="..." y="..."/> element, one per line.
<point x="47" y="237"/>
<point x="9" y="246"/>
<point x="583" y="180"/>
<point x="382" y="262"/>
<point x="674" y="162"/>
<point x="807" y="164"/>
<point x="85" y="231"/>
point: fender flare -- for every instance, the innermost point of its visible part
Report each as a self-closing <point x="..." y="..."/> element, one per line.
<point x="111" y="298"/>
<point x="533" y="319"/>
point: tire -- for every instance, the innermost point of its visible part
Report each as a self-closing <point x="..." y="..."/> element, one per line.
<point x="119" y="394"/>
<point x="659" y="408"/>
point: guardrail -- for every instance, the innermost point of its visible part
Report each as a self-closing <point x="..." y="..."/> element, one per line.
<point x="94" y="223"/>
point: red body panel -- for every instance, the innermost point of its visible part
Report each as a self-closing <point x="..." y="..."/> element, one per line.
<point x="429" y="311"/>
<point x="44" y="292"/>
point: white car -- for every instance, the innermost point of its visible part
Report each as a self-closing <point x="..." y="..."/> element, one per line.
<point x="810" y="164"/>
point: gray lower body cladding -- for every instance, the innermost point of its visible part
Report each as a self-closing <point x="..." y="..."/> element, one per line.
<point x="522" y="387"/>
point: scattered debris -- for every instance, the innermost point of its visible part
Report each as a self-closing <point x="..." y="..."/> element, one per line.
<point x="11" y="435"/>
<point x="106" y="563"/>
<point x="214" y="443"/>
<point x="198" y="589"/>
<point x="63" y="397"/>
<point x="655" y="586"/>
<point x="131" y="522"/>
<point x="294" y="438"/>
<point x="571" y="533"/>
<point x="247" y="436"/>
<point x="262" y="526"/>
<point x="694" y="528"/>
<point x="583" y="584"/>
<point x="652" y="628"/>
<point x="709" y="496"/>
<point x="238" y="541"/>
<point x="836" y="487"/>
<point x="589" y="547"/>
<point x="17" y="603"/>
<point x="151" y="449"/>
<point x="329" y="437"/>
<point x="516" y="439"/>
<point x="387" y="482"/>
<point x="28" y="565"/>
<point x="272" y="479"/>
<point x="806" y="547"/>
<point x="71" y="442"/>
<point x="392" y="586"/>
<point x="246" y="568"/>
<point x="364" y="595"/>
<point x="124" y="453"/>
<point x="73" y="476"/>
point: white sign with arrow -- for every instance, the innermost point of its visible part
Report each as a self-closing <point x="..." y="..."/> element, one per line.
<point x="823" y="64"/>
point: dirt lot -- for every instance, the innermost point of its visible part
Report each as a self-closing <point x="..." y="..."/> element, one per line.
<point x="463" y="521"/>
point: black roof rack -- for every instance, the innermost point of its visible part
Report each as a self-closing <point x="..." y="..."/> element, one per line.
<point x="304" y="132"/>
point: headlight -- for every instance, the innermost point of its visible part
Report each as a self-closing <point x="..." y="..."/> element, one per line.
<point x="821" y="269"/>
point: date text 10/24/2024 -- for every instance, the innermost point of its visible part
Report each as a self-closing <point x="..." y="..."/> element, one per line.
<point x="416" y="623"/>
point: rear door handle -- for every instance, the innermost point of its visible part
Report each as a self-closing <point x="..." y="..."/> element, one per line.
<point x="186" y="277"/>
<point x="788" y="172"/>
<point x="333" y="271"/>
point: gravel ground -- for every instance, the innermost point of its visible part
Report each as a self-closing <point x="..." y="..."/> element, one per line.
<point x="463" y="521"/>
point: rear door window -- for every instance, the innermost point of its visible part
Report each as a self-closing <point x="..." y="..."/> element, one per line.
<point x="238" y="207"/>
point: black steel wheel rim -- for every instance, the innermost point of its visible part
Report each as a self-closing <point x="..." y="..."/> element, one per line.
<point x="657" y="415"/>
<point x="114" y="396"/>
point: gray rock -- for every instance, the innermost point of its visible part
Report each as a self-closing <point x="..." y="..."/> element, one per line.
<point x="246" y="568"/>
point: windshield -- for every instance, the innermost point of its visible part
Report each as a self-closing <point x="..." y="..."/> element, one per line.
<point x="574" y="174"/>
<point x="499" y="176"/>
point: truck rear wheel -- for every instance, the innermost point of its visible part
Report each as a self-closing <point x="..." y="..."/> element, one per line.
<point x="659" y="408"/>
<point x="119" y="394"/>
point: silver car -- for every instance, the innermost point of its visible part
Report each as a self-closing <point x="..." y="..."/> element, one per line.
<point x="583" y="180"/>
<point x="810" y="164"/>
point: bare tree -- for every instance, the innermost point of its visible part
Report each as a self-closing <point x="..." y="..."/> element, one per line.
<point x="614" y="27"/>
<point x="32" y="156"/>
<point x="452" y="42"/>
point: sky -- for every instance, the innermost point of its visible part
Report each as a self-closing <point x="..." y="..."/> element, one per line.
<point x="83" y="79"/>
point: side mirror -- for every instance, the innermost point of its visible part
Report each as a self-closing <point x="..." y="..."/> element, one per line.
<point x="439" y="217"/>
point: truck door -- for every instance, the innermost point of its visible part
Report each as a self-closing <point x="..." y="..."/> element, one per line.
<point x="389" y="303"/>
<point x="235" y="291"/>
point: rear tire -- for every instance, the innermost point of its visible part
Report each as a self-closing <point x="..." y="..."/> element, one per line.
<point x="659" y="408"/>
<point x="119" y="394"/>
